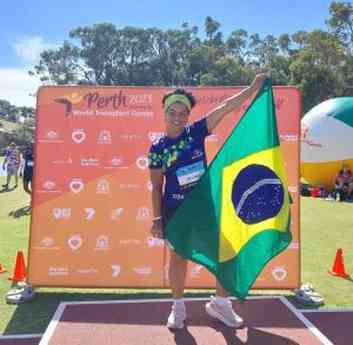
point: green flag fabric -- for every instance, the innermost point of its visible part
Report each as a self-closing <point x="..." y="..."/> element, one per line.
<point x="237" y="217"/>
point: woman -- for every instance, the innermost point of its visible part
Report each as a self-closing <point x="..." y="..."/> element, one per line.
<point x="176" y="163"/>
<point x="12" y="162"/>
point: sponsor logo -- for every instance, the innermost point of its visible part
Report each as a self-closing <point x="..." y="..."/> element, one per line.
<point x="130" y="242"/>
<point x="76" y="185"/>
<point x="116" y="213"/>
<point x="47" y="243"/>
<point x="61" y="213"/>
<point x="196" y="271"/>
<point x="87" y="271"/>
<point x="63" y="162"/>
<point x="130" y="136"/>
<point x="75" y="242"/>
<point x="143" y="270"/>
<point x="52" y="135"/>
<point x="89" y="213"/>
<point x="289" y="137"/>
<point x="155" y="136"/>
<point x="68" y="100"/>
<point x="143" y="213"/>
<point x="102" y="243"/>
<point x="102" y="187"/>
<point x="49" y="185"/>
<point x="142" y="162"/>
<point x="279" y="273"/>
<point x="130" y="186"/>
<point x="89" y="162"/>
<point x="58" y="271"/>
<point x="304" y="137"/>
<point x="153" y="242"/>
<point x="116" y="161"/>
<point x="116" y="269"/>
<point x="104" y="137"/>
<point x="78" y="136"/>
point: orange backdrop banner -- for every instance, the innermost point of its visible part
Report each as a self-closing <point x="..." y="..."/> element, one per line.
<point x="91" y="205"/>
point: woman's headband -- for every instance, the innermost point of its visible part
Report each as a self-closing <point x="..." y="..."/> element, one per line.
<point x="177" y="98"/>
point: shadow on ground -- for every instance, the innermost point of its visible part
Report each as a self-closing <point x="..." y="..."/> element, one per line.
<point x="20" y="212"/>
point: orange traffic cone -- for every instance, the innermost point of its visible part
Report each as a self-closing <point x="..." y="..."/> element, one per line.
<point x="19" y="274"/>
<point x="338" y="269"/>
<point x="2" y="269"/>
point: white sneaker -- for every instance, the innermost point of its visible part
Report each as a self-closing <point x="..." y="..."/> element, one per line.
<point x="176" y="318"/>
<point x="224" y="313"/>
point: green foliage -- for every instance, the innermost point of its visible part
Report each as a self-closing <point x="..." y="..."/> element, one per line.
<point x="319" y="62"/>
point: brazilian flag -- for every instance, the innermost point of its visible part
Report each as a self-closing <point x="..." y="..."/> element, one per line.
<point x="237" y="217"/>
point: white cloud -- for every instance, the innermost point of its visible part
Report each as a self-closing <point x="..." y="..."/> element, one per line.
<point x="17" y="86"/>
<point x="30" y="47"/>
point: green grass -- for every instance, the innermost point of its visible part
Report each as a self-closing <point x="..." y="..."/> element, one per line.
<point x="326" y="226"/>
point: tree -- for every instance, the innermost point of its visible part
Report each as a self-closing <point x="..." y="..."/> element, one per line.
<point x="341" y="22"/>
<point x="60" y="66"/>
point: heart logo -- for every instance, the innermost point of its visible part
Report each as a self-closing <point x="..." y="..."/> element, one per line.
<point x="78" y="136"/>
<point x="142" y="162"/>
<point x="279" y="273"/>
<point x="76" y="185"/>
<point x="75" y="242"/>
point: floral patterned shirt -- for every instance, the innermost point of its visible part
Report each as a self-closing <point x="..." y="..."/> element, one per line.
<point x="182" y="161"/>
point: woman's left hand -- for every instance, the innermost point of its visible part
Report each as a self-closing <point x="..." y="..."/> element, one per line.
<point x="259" y="80"/>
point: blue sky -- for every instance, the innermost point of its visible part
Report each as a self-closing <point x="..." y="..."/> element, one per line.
<point x="28" y="27"/>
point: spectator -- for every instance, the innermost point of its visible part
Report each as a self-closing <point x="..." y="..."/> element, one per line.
<point x="28" y="168"/>
<point x="12" y="162"/>
<point x="344" y="183"/>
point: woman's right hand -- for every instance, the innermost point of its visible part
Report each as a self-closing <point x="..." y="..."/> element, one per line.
<point x="157" y="228"/>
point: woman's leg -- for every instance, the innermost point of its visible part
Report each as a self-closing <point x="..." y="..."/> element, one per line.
<point x="177" y="274"/>
<point x="220" y="291"/>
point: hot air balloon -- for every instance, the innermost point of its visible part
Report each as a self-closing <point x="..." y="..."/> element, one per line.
<point x="327" y="141"/>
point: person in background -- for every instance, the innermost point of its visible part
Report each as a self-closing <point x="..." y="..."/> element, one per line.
<point x="12" y="163"/>
<point x="28" y="168"/>
<point x="344" y="183"/>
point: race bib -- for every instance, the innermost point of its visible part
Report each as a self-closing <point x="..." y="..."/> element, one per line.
<point x="190" y="173"/>
<point x="30" y="163"/>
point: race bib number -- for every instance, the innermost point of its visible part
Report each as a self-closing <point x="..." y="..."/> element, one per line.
<point x="190" y="173"/>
